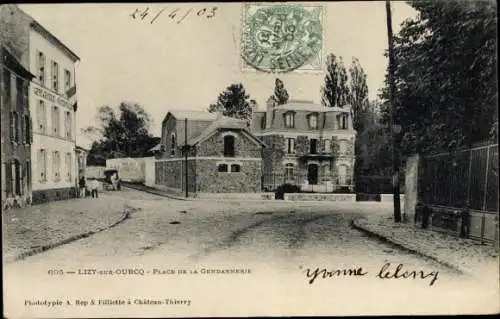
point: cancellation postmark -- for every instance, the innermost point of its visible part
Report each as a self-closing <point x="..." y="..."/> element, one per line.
<point x="282" y="38"/>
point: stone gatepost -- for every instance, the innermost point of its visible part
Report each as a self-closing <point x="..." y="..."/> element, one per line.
<point x="411" y="187"/>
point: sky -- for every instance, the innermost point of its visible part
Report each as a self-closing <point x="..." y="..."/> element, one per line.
<point x="166" y="65"/>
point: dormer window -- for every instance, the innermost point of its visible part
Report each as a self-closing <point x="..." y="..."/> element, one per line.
<point x="343" y="120"/>
<point x="290" y="120"/>
<point x="313" y="121"/>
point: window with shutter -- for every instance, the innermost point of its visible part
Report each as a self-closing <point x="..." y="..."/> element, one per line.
<point x="67" y="80"/>
<point x="290" y="145"/>
<point x="28" y="173"/>
<point x="27" y="129"/>
<point x="19" y="94"/>
<point x="55" y="76"/>
<point x="68" y="167"/>
<point x="7" y="88"/>
<point x="4" y="182"/>
<point x="12" y="126"/>
<point x="13" y="178"/>
<point x="41" y="68"/>
<point x="327" y="146"/>
<point x="8" y="179"/>
<point x="41" y="117"/>
<point x="68" y="125"/>
<point x="42" y="165"/>
<point x="55" y="121"/>
<point x="56" y="166"/>
<point x="20" y="129"/>
<point x="289" y="171"/>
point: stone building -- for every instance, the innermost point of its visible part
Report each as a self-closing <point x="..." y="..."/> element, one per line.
<point x="52" y="100"/>
<point x="16" y="129"/>
<point x="220" y="154"/>
<point x="308" y="145"/>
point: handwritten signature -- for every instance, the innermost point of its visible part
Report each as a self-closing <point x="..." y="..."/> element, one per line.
<point x="176" y="14"/>
<point x="385" y="273"/>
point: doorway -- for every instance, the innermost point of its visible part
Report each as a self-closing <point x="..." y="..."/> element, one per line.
<point x="312" y="174"/>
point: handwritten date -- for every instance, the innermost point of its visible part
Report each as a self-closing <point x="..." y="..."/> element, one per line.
<point x="176" y="15"/>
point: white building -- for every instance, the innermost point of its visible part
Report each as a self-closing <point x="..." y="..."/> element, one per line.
<point x="52" y="99"/>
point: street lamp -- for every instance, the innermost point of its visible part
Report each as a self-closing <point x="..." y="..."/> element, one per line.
<point x="396" y="128"/>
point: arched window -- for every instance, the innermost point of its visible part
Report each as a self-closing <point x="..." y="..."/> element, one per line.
<point x="229" y="146"/>
<point x="173" y="145"/>
<point x="222" y="168"/>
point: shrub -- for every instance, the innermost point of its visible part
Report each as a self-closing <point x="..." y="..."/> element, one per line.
<point x="285" y="188"/>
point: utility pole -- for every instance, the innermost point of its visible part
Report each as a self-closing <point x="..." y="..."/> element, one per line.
<point x="395" y="127"/>
<point x="186" y="156"/>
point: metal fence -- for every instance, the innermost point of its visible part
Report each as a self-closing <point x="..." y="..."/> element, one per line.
<point x="271" y="181"/>
<point x="462" y="179"/>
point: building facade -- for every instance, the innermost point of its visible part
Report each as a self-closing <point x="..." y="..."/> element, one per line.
<point x="308" y="145"/>
<point x="16" y="130"/>
<point x="220" y="154"/>
<point x="81" y="160"/>
<point x="52" y="100"/>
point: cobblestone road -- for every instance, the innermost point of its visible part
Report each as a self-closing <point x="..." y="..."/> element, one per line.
<point x="275" y="239"/>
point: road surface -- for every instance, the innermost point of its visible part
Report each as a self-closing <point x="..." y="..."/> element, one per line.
<point x="272" y="250"/>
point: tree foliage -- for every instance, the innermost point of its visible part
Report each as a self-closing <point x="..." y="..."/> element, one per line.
<point x="445" y="75"/>
<point x="280" y="93"/>
<point x="234" y="102"/>
<point x="120" y="134"/>
<point x="373" y="143"/>
<point x="358" y="94"/>
<point x="335" y="91"/>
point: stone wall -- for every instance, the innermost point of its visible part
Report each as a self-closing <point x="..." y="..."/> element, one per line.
<point x="169" y="173"/>
<point x="243" y="146"/>
<point x="273" y="154"/>
<point x="129" y="169"/>
<point x="321" y="197"/>
<point x="209" y="180"/>
<point x="95" y="172"/>
<point x="49" y="195"/>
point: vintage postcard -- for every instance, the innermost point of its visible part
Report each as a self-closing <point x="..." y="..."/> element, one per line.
<point x="249" y="159"/>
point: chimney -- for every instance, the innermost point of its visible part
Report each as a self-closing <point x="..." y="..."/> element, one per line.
<point x="219" y="111"/>
<point x="271" y="103"/>
<point x="253" y="110"/>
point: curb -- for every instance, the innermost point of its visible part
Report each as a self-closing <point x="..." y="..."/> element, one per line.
<point x="356" y="225"/>
<point x="155" y="192"/>
<point x="125" y="215"/>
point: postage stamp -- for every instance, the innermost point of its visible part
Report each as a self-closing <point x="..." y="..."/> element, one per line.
<point x="282" y="38"/>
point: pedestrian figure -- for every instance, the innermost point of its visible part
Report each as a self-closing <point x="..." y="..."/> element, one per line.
<point x="114" y="180"/>
<point x="94" y="187"/>
<point x="83" y="187"/>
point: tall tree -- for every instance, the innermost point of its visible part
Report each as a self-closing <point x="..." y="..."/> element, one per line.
<point x="358" y="97"/>
<point x="234" y="102"/>
<point x="446" y="75"/>
<point x="335" y="91"/>
<point x="120" y="134"/>
<point x="280" y="93"/>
